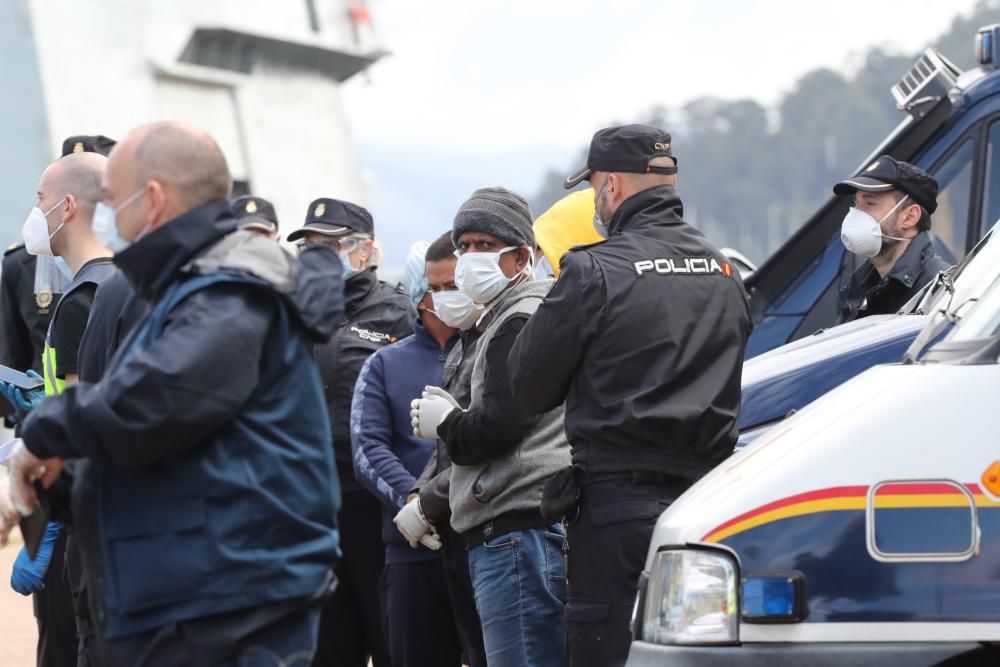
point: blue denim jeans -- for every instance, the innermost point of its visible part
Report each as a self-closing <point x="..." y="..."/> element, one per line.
<point x="520" y="584"/>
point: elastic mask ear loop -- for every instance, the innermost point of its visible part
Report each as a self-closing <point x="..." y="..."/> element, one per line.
<point x="49" y="212"/>
<point x="884" y="217"/>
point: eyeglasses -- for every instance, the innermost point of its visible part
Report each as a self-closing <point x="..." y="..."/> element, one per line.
<point x="349" y="244"/>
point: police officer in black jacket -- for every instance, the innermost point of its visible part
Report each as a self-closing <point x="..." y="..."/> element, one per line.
<point x="375" y="315"/>
<point x="888" y="225"/>
<point x="643" y="336"/>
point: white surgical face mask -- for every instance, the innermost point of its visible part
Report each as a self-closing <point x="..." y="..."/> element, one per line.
<point x="105" y="224"/>
<point x="456" y="309"/>
<point x="35" y="232"/>
<point x="862" y="234"/>
<point x="479" y="275"/>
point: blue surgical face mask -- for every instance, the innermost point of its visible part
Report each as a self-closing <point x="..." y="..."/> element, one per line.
<point x="599" y="225"/>
<point x="345" y="260"/>
<point x="63" y="267"/>
<point x="105" y="224"/>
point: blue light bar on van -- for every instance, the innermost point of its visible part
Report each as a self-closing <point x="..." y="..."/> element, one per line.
<point x="773" y="598"/>
<point x="988" y="46"/>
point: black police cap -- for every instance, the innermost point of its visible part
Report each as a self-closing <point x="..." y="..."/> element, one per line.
<point x="627" y="149"/>
<point x="84" y="143"/>
<point x="255" y="213"/>
<point x="887" y="173"/>
<point x="334" y="217"/>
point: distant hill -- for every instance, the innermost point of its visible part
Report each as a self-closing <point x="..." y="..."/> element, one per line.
<point x="748" y="181"/>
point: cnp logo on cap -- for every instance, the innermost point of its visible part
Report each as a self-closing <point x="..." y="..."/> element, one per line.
<point x="334" y="217"/>
<point x="255" y="213"/>
<point x="626" y="149"/>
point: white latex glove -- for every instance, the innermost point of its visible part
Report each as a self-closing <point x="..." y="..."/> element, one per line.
<point x="8" y="513"/>
<point x="24" y="468"/>
<point x="412" y="523"/>
<point x="427" y="413"/>
<point x="438" y="391"/>
<point x="431" y="540"/>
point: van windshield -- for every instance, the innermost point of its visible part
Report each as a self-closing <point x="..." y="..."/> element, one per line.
<point x="983" y="321"/>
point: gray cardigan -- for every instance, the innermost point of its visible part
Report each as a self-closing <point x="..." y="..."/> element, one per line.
<point x="512" y="482"/>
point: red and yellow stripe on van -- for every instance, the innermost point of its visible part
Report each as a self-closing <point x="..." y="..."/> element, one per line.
<point x="842" y="498"/>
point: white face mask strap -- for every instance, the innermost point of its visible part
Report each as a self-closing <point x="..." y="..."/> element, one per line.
<point x="894" y="208"/>
<point x="885" y="217"/>
<point x="58" y="204"/>
<point x="528" y="267"/>
<point x="61" y="224"/>
<point x="134" y="196"/>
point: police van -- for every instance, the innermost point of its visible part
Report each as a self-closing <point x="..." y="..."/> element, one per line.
<point x="779" y="382"/>
<point x="863" y="530"/>
<point x="950" y="128"/>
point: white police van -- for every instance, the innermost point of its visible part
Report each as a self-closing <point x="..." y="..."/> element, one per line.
<point x="863" y="530"/>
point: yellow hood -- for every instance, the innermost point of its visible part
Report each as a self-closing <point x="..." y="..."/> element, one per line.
<point x="570" y="222"/>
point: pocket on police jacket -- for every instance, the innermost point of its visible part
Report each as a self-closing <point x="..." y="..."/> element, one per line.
<point x="155" y="562"/>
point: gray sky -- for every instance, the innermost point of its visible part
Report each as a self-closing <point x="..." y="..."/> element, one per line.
<point x="482" y="93"/>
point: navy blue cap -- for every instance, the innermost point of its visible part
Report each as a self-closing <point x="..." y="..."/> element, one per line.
<point x="85" y="143"/>
<point x="334" y="217"/>
<point x="255" y="213"/>
<point x="626" y="149"/>
<point x="887" y="173"/>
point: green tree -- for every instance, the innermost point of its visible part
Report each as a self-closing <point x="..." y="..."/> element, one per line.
<point x="749" y="183"/>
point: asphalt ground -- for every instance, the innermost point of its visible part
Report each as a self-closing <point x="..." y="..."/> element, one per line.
<point x="17" y="620"/>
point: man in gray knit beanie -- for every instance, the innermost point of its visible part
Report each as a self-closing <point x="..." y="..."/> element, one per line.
<point x="496" y="211"/>
<point x="501" y="454"/>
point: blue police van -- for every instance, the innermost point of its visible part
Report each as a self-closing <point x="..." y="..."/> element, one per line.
<point x="782" y="381"/>
<point x="950" y="128"/>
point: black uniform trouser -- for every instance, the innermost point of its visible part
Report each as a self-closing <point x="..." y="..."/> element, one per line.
<point x="350" y="627"/>
<point x="608" y="542"/>
<point x="417" y="617"/>
<point x="88" y="651"/>
<point x="463" y="598"/>
<point x="54" y="613"/>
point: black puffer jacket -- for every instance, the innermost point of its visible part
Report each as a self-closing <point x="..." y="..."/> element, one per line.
<point x="643" y="337"/>
<point x="375" y="315"/>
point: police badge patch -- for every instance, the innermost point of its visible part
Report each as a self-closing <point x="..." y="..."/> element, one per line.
<point x="43" y="300"/>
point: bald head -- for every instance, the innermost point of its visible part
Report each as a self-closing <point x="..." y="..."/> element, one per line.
<point x="640" y="182"/>
<point x="612" y="188"/>
<point x="79" y="175"/>
<point x="170" y="168"/>
<point x="183" y="158"/>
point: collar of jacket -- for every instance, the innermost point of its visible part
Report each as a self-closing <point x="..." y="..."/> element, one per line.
<point x="908" y="267"/>
<point x="151" y="264"/>
<point x="427" y="339"/>
<point x="357" y="288"/>
<point x="529" y="288"/>
<point x="655" y="206"/>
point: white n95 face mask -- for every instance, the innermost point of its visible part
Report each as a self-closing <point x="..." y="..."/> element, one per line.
<point x="479" y="275"/>
<point x="35" y="232"/>
<point x="456" y="309"/>
<point x="862" y="234"/>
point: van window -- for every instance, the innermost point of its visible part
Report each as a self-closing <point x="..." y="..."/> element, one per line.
<point x="921" y="520"/>
<point x="950" y="223"/>
<point x="991" y="193"/>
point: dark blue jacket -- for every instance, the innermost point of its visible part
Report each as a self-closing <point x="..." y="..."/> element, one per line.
<point x="215" y="487"/>
<point x="387" y="456"/>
